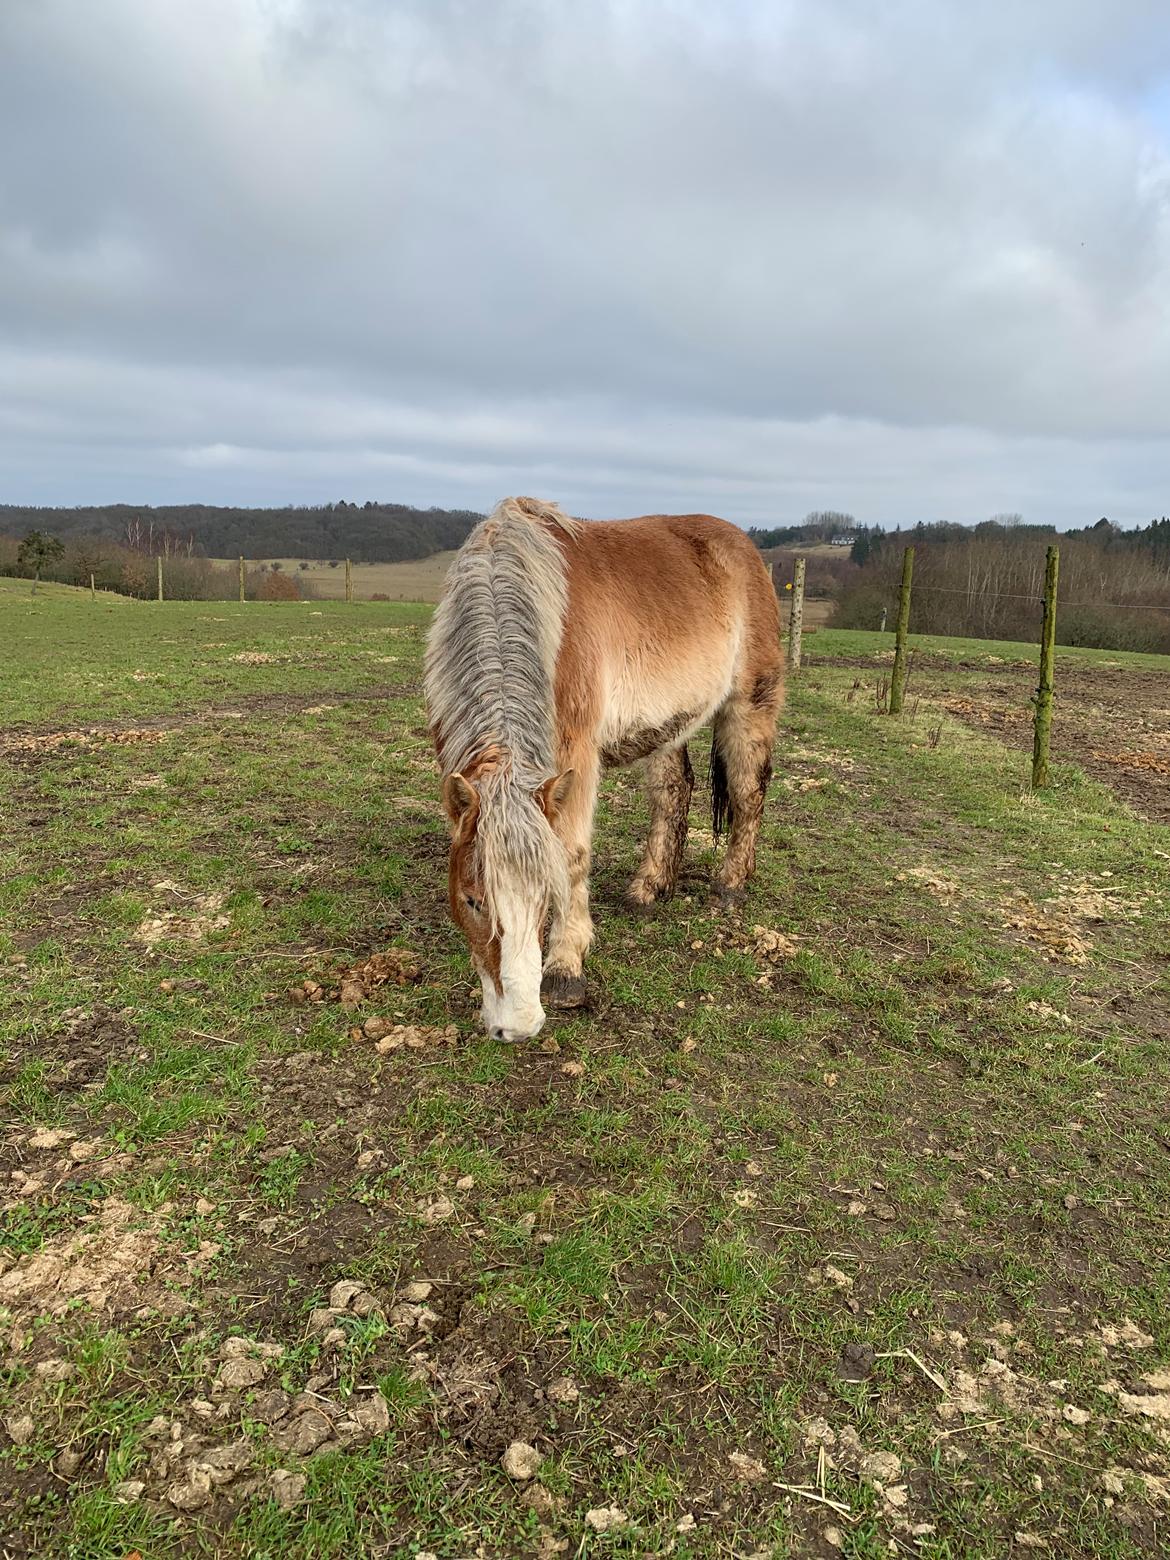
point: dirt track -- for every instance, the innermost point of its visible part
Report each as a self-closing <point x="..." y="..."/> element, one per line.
<point x="1113" y="721"/>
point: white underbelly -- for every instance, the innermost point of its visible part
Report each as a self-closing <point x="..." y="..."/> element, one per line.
<point x="645" y="711"/>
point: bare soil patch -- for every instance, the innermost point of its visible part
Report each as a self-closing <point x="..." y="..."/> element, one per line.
<point x="1112" y="721"/>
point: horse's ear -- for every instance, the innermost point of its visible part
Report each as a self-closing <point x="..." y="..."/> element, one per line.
<point x="460" y="798"/>
<point x="554" y="793"/>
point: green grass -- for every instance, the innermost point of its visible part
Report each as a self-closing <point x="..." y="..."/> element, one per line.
<point x="918" y="1131"/>
<point x="864" y="642"/>
<point x="17" y="592"/>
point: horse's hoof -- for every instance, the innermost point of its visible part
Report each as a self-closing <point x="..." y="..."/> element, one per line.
<point x="643" y="900"/>
<point x="724" y="898"/>
<point x="563" y="991"/>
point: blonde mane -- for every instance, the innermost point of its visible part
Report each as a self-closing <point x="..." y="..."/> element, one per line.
<point x="489" y="679"/>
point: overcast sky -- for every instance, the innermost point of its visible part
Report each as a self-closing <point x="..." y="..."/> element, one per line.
<point x="907" y="259"/>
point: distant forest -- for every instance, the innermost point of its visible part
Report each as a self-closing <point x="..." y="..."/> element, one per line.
<point x="986" y="582"/>
<point x="368" y="533"/>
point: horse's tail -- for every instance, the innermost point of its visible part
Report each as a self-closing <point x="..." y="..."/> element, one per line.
<point x="721" y="809"/>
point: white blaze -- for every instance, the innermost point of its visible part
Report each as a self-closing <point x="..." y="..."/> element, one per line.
<point x="517" y="1013"/>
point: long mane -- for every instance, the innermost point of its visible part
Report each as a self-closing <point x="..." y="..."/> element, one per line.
<point x="489" y="678"/>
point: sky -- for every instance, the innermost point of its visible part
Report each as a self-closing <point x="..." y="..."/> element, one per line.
<point x="907" y="260"/>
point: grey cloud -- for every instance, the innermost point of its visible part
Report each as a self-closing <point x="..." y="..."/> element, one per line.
<point x="911" y="260"/>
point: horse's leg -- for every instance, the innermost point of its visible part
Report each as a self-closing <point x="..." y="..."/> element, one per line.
<point x="571" y="928"/>
<point x="745" y="731"/>
<point x="669" y="783"/>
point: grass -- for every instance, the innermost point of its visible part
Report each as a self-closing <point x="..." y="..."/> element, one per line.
<point x="419" y="579"/>
<point x="16" y="592"/>
<point x="928" y="1137"/>
<point x="830" y="642"/>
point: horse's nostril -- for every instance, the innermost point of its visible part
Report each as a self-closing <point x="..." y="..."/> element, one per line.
<point x="498" y="1032"/>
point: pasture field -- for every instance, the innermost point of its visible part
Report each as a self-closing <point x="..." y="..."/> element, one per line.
<point x="418" y="579"/>
<point x="838" y="1226"/>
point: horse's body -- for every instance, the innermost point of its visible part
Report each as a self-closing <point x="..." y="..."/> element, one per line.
<point x="561" y="648"/>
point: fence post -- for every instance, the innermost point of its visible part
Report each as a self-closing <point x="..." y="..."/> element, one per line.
<point x="242" y="577"/>
<point x="882" y="624"/>
<point x="92" y="589"/>
<point x="796" y="616"/>
<point x="898" y="679"/>
<point x="1043" y="727"/>
<point x="160" y="587"/>
<point x="348" y="580"/>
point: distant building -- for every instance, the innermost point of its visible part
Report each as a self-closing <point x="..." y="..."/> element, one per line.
<point x="846" y="539"/>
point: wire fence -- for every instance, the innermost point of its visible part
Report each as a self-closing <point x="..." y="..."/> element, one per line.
<point x="1037" y="598"/>
<point x="1043" y="699"/>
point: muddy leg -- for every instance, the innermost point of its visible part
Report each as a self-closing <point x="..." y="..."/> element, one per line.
<point x="744" y="735"/>
<point x="669" y="783"/>
<point x="571" y="928"/>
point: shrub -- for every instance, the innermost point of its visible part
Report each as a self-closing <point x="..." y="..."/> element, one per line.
<point x="279" y="587"/>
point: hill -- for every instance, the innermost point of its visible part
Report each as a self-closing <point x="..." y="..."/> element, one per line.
<point x="13" y="589"/>
<point x="369" y="532"/>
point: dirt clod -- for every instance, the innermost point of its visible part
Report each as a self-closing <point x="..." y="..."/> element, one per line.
<point x="236" y="1375"/>
<point x="749" y="1470"/>
<point x="857" y="1362"/>
<point x="521" y="1461"/>
<point x="304" y="1434"/>
<point x="606" y="1519"/>
<point x="21" y="1427"/>
<point x="288" y="1489"/>
<point x="563" y="1390"/>
<point x="372" y="1414"/>
<point x="437" y="1210"/>
<point x="192" y="1491"/>
<point x="880" y="1468"/>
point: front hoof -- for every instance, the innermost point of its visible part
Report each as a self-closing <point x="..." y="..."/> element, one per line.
<point x="564" y="991"/>
<point x="725" y="898"/>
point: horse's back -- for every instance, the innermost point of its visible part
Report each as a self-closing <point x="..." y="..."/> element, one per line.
<point x="668" y="616"/>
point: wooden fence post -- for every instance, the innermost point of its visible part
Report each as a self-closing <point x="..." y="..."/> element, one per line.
<point x="92" y="589"/>
<point x="1043" y="727"/>
<point x="898" y="679"/>
<point x="796" y="616"/>
<point x="348" y="580"/>
<point x="160" y="582"/>
<point x="242" y="578"/>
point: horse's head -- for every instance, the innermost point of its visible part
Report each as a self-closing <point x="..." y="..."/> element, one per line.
<point x="505" y="871"/>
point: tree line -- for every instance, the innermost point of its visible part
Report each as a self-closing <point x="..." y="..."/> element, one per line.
<point x="372" y="532"/>
<point x="976" y="582"/>
<point x="987" y="582"/>
<point x="132" y="571"/>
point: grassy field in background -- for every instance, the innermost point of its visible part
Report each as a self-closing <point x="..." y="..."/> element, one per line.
<point x="419" y="579"/>
<point x="838" y="1225"/>
<point x="14" y="592"/>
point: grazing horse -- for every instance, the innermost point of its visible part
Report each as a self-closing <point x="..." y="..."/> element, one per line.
<point x="561" y="648"/>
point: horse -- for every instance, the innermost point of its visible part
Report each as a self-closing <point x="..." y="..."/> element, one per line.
<point x="561" y="648"/>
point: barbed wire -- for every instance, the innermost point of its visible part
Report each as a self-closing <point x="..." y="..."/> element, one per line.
<point x="1037" y="600"/>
